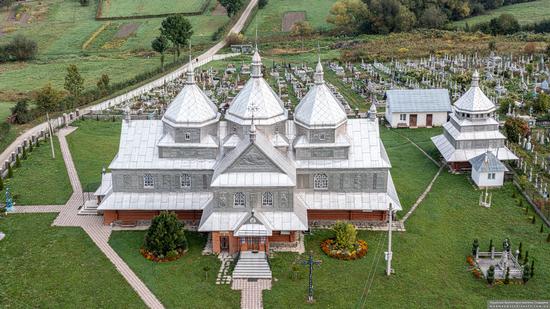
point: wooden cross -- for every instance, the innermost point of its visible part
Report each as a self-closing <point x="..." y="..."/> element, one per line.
<point x="310" y="262"/>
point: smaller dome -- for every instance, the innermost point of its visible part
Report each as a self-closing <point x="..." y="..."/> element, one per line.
<point x="474" y="100"/>
<point x="191" y="108"/>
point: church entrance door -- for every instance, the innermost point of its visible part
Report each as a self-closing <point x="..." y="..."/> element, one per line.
<point x="224" y="243"/>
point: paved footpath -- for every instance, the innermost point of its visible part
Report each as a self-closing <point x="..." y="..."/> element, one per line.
<point x="251" y="292"/>
<point x="92" y="225"/>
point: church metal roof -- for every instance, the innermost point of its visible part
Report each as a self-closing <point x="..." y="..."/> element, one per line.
<point x="418" y="100"/>
<point x="319" y="108"/>
<point x="156" y="201"/>
<point x="191" y="108"/>
<point x="259" y="99"/>
<point x="474" y="100"/>
<point x="487" y="163"/>
<point x="462" y="155"/>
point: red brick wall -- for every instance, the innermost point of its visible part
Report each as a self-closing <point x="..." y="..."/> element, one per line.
<point x="132" y="216"/>
<point x="345" y="215"/>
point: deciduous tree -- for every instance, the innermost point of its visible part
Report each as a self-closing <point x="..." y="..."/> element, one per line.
<point x="348" y="15"/>
<point x="47" y="98"/>
<point x="160" y="45"/>
<point x="178" y="30"/>
<point x="232" y="6"/>
<point x="74" y="83"/>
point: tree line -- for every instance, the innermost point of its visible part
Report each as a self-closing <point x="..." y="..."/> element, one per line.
<point x="385" y="16"/>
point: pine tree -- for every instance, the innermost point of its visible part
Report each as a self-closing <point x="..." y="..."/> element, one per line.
<point x="532" y="268"/>
<point x="548" y="238"/>
<point x="38" y="141"/>
<point x="17" y="162"/>
<point x="1" y="183"/>
<point x="165" y="237"/>
<point x="30" y="147"/>
<point x="526" y="274"/>
<point x="491" y="245"/>
<point x="10" y="174"/>
<point x="24" y="154"/>
<point x="520" y="250"/>
<point x="542" y="227"/>
<point x="534" y="220"/>
<point x="74" y="83"/>
<point x="526" y="259"/>
<point x="475" y="245"/>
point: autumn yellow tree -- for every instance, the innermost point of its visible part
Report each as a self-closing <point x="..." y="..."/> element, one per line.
<point x="348" y="15"/>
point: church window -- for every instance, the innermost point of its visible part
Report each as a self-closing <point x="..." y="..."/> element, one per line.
<point x="322" y="136"/>
<point x="267" y="199"/>
<point x="148" y="181"/>
<point x="185" y="181"/>
<point x="239" y="200"/>
<point x="403" y="117"/>
<point x="187" y="136"/>
<point x="320" y="181"/>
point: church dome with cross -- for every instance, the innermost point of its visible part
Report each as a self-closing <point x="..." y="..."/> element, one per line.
<point x="268" y="107"/>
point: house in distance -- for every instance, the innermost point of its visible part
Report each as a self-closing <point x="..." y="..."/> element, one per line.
<point x="417" y="108"/>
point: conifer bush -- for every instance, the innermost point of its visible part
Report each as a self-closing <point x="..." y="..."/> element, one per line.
<point x="346" y="235"/>
<point x="165" y="239"/>
<point x="491" y="274"/>
<point x="17" y="161"/>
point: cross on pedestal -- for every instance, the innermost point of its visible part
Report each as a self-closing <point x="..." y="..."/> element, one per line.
<point x="310" y="262"/>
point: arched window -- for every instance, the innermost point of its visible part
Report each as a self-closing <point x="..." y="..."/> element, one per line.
<point x="320" y="182"/>
<point x="267" y="199"/>
<point x="239" y="200"/>
<point x="187" y="136"/>
<point x="185" y="181"/>
<point x="148" y="181"/>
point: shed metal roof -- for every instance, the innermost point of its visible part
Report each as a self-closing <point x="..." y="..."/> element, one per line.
<point x="418" y="100"/>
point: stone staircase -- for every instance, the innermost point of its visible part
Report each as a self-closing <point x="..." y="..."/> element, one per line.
<point x="252" y="266"/>
<point x="89" y="208"/>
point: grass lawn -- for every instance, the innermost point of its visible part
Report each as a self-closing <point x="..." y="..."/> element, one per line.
<point x="53" y="267"/>
<point x="406" y="162"/>
<point x="181" y="283"/>
<point x="116" y="8"/>
<point x="122" y="50"/>
<point x="525" y="13"/>
<point x="41" y="180"/>
<point x="93" y="146"/>
<point x="422" y="137"/>
<point x="5" y="109"/>
<point x="269" y="19"/>
<point x="429" y="259"/>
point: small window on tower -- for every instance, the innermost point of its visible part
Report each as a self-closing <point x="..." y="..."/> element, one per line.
<point x="148" y="181"/>
<point x="187" y="136"/>
<point x="185" y="181"/>
<point x="322" y="136"/>
<point x="320" y="182"/>
<point x="239" y="200"/>
<point x="267" y="199"/>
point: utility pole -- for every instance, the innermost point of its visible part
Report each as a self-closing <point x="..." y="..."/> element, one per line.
<point x="51" y="134"/>
<point x="389" y="253"/>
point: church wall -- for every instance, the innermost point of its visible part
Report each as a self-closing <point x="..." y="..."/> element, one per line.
<point x="133" y="216"/>
<point x="195" y="135"/>
<point x="322" y="153"/>
<point x="175" y="152"/>
<point x="164" y="181"/>
<point x="253" y="160"/>
<point x="480" y="144"/>
<point x="282" y="198"/>
<point x="347" y="180"/>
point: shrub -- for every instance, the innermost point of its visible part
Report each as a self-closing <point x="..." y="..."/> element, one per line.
<point x="20" y="49"/>
<point x="262" y="4"/>
<point x="165" y="237"/>
<point x="1" y="183"/>
<point x="542" y="227"/>
<point x="84" y="2"/>
<point x="20" y="112"/>
<point x="24" y="154"/>
<point x="532" y="268"/>
<point x="235" y="38"/>
<point x="346" y="235"/>
<point x="10" y="175"/>
<point x="548" y="238"/>
<point x="17" y="162"/>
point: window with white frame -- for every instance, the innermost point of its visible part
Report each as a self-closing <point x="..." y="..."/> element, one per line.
<point x="187" y="136"/>
<point x="402" y="117"/>
<point x="185" y="181"/>
<point x="239" y="200"/>
<point x="320" y="182"/>
<point x="148" y="181"/>
<point x="491" y="176"/>
<point x="322" y="136"/>
<point x="267" y="199"/>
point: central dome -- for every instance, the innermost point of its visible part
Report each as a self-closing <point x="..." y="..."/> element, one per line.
<point x="256" y="99"/>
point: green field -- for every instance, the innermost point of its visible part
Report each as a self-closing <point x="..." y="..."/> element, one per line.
<point x="121" y="49"/>
<point x="41" y="180"/>
<point x="57" y="267"/>
<point x="181" y="283"/>
<point x="526" y="13"/>
<point x="269" y="19"/>
<point x="118" y="8"/>
<point x="93" y="146"/>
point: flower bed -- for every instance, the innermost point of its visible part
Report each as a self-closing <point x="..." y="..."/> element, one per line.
<point x="169" y="257"/>
<point x="360" y="250"/>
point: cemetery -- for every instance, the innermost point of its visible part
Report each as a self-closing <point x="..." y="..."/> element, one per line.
<point x="434" y="219"/>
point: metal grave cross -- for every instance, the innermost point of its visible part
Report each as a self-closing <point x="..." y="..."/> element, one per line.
<point x="310" y="262"/>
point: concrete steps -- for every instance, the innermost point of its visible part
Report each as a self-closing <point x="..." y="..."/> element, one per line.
<point x="89" y="209"/>
<point x="252" y="266"/>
